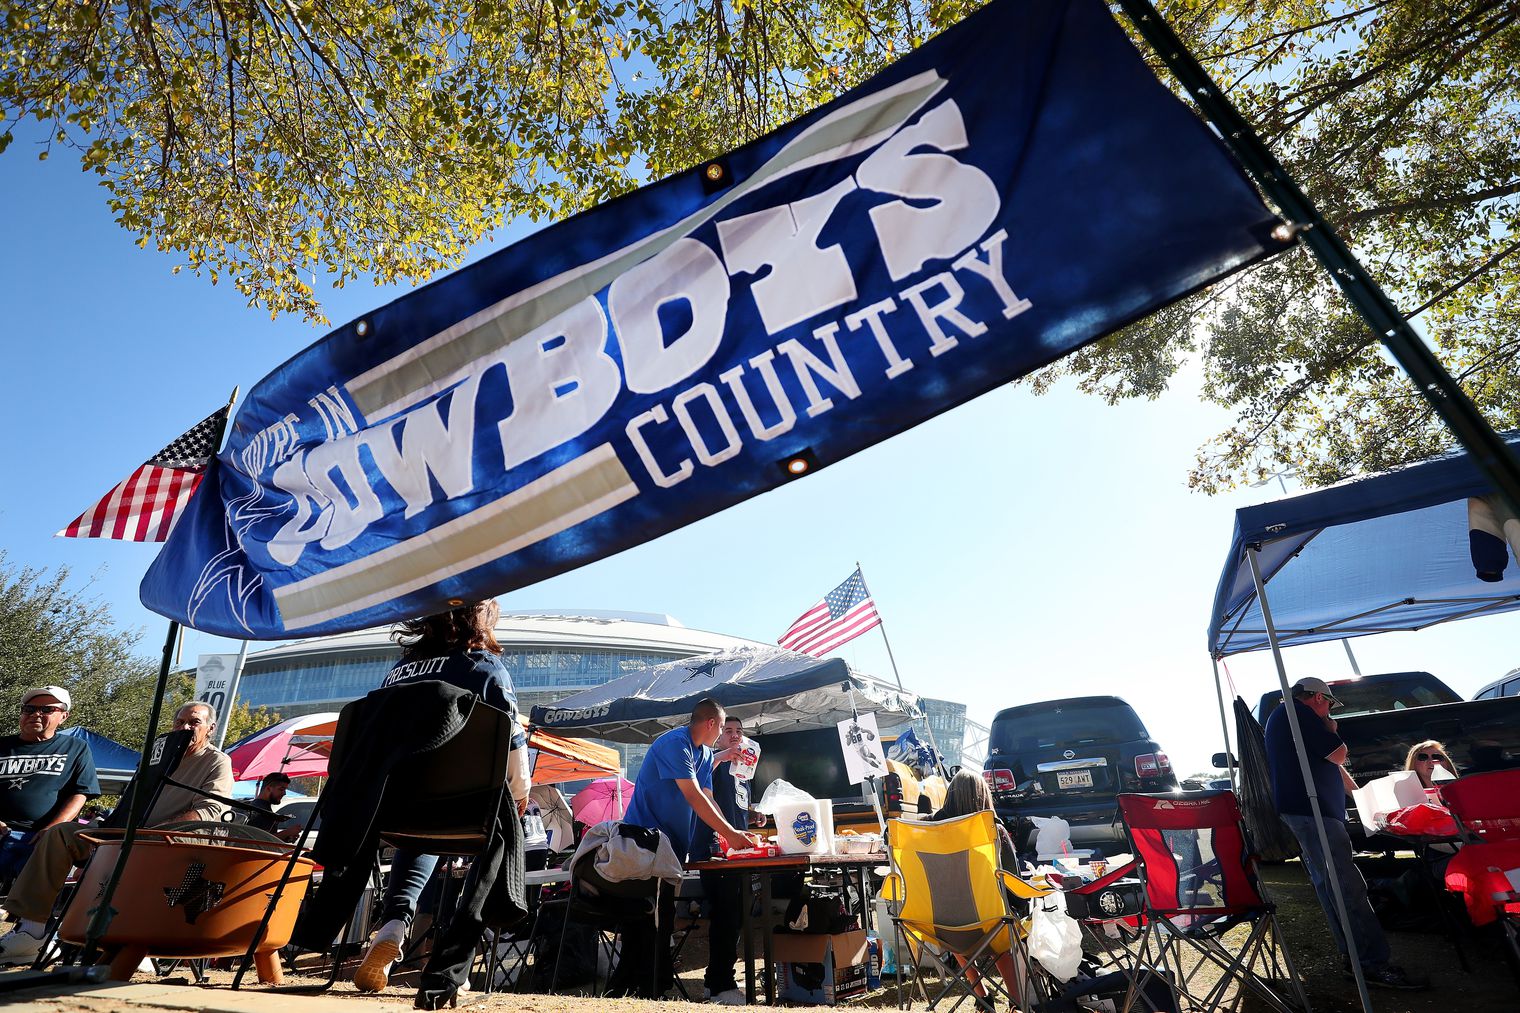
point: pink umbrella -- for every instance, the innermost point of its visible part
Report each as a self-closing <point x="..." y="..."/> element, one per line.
<point x="602" y="800"/>
<point x="297" y="747"/>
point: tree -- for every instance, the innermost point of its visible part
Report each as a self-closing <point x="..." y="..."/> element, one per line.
<point x="243" y="721"/>
<point x="273" y="139"/>
<point x="55" y="634"/>
<point x="1402" y="121"/>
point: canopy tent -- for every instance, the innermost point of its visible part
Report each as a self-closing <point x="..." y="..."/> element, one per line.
<point x="773" y="690"/>
<point x="1406" y="549"/>
<point x="108" y="754"/>
<point x="1370" y="555"/>
<point x="115" y="764"/>
<point x="555" y="759"/>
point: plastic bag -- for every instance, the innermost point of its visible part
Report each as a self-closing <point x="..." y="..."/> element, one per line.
<point x="1051" y="834"/>
<point x="1423" y="819"/>
<point x="1055" y="939"/>
<point x="779" y="793"/>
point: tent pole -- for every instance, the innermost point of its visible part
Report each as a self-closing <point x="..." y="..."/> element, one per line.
<point x="1355" y="668"/>
<point x="1224" y="726"/>
<point x="1303" y="765"/>
<point x="1442" y="394"/>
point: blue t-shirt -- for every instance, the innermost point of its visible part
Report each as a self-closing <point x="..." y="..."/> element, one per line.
<point x="480" y="672"/>
<point x="35" y="775"/>
<point x="657" y="799"/>
<point x="1287" y="778"/>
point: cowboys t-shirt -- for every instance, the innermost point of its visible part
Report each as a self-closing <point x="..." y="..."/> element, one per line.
<point x="35" y="775"/>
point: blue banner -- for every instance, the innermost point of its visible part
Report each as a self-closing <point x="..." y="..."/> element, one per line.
<point x="1010" y="191"/>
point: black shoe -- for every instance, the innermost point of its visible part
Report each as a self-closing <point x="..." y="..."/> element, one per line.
<point x="1394" y="976"/>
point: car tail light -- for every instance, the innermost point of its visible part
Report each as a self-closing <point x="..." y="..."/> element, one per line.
<point x="1164" y="763"/>
<point x="1146" y="764"/>
<point x="1000" y="779"/>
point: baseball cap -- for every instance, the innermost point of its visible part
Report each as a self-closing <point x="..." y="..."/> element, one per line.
<point x="1309" y="684"/>
<point x="59" y="692"/>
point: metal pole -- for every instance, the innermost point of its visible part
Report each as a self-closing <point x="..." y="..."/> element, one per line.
<point x="237" y="677"/>
<point x="881" y="624"/>
<point x="1224" y="726"/>
<point x="1291" y="709"/>
<point x="1355" y="668"/>
<point x="1392" y="328"/>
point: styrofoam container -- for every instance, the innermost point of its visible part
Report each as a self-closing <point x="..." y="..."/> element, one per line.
<point x="1388" y="794"/>
<point x="800" y="828"/>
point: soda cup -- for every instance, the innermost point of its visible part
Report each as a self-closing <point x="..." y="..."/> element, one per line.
<point x="1099" y="867"/>
<point x="743" y="765"/>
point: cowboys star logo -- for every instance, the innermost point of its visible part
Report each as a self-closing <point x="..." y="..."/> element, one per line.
<point x="15" y="783"/>
<point x="707" y="668"/>
<point x="195" y="893"/>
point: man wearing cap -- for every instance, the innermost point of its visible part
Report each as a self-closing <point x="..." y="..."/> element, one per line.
<point x="45" y="778"/>
<point x="1326" y="753"/>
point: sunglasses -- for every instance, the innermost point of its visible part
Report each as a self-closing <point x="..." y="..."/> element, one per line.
<point x="1427" y="757"/>
<point x="45" y="708"/>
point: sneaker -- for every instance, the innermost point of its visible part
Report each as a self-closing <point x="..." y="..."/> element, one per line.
<point x="17" y="947"/>
<point x="1394" y="976"/>
<point x="374" y="970"/>
<point x="729" y="997"/>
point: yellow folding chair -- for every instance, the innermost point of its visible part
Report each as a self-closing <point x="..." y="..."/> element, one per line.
<point x="948" y="886"/>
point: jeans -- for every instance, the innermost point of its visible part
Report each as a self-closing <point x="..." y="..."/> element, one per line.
<point x="409" y="876"/>
<point x="1371" y="944"/>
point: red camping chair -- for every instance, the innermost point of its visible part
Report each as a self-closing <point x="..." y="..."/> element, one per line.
<point x="1487" y="810"/>
<point x="1486" y="806"/>
<point x="1199" y="871"/>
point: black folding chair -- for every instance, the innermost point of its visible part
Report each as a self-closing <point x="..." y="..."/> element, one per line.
<point x="447" y="801"/>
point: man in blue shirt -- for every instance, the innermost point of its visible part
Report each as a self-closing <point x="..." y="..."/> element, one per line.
<point x="1326" y="753"/>
<point x="673" y="792"/>
<point x="724" y="891"/>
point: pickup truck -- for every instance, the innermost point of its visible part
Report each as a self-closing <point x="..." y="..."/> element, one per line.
<point x="1383" y="715"/>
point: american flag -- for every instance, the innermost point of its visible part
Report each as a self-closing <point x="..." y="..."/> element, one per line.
<point x="145" y="505"/>
<point x="844" y="614"/>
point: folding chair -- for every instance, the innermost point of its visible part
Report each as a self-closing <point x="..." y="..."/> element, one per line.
<point x="452" y="800"/>
<point x="949" y="888"/>
<point x="1487" y="810"/>
<point x="1199" y="872"/>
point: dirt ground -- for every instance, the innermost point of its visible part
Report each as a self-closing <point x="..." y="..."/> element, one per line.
<point x="1489" y="987"/>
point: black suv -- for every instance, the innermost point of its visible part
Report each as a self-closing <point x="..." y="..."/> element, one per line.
<point x="1071" y="758"/>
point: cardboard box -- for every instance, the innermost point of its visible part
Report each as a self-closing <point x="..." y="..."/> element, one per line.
<point x="823" y="970"/>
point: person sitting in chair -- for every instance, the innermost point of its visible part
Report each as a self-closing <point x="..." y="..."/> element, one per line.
<point x="968" y="793"/>
<point x="1423" y="759"/>
<point x="458" y="647"/>
<point x="271" y="793"/>
<point x="45" y="778"/>
<point x="56" y="850"/>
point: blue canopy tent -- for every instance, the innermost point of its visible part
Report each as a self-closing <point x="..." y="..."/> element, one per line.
<point x="1402" y="550"/>
<point x="115" y="764"/>
<point x="771" y="689"/>
<point x="1370" y="555"/>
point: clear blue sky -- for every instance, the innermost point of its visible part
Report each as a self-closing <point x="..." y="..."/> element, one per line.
<point x="1020" y="548"/>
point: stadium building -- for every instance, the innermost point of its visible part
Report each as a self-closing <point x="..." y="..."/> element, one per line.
<point x="551" y="655"/>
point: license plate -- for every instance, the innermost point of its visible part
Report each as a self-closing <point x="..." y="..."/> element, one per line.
<point x="1074" y="779"/>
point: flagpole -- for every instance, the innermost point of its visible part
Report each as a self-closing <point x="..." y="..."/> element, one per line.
<point x="881" y="624"/>
<point x="102" y="913"/>
<point x="1442" y="393"/>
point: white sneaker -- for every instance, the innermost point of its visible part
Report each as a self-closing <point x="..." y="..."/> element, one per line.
<point x="17" y="947"/>
<point x="732" y="997"/>
<point x="373" y="973"/>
